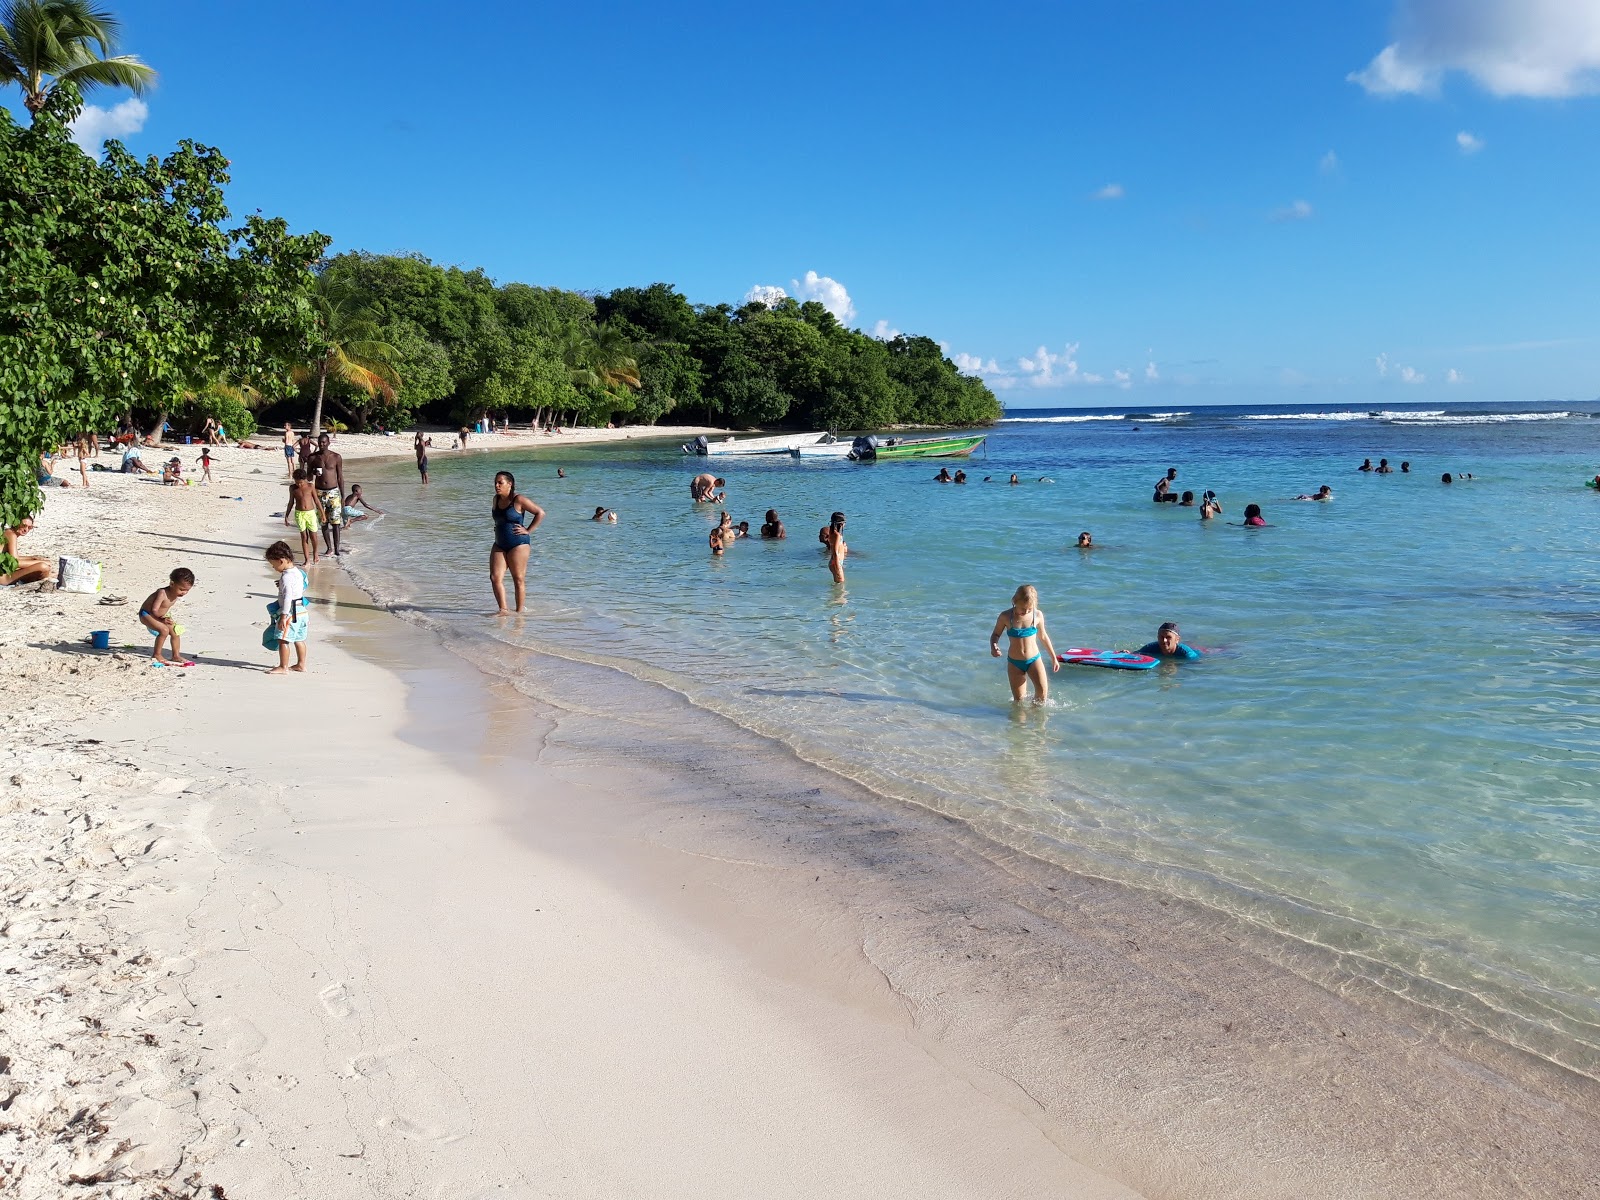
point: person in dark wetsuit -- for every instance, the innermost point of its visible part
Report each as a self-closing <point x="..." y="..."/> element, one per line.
<point x="1168" y="645"/>
<point x="511" y="538"/>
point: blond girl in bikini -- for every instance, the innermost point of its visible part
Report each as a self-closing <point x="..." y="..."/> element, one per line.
<point x="1023" y="623"/>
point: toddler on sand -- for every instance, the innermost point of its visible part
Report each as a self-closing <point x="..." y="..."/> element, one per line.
<point x="155" y="614"/>
<point x="288" y="610"/>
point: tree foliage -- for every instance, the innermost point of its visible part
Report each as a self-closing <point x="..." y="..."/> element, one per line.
<point x="121" y="290"/>
<point x="639" y="354"/>
<point x="46" y="43"/>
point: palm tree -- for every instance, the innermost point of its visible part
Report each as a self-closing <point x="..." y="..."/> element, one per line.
<point x="44" y="43"/>
<point x="600" y="358"/>
<point x="355" y="354"/>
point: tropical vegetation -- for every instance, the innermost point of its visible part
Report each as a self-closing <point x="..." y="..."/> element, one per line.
<point x="466" y="348"/>
<point x="47" y="43"/>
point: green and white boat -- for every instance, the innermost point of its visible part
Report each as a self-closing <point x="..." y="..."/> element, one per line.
<point x="938" y="447"/>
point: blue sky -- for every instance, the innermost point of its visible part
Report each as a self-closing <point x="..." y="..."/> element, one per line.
<point x="1376" y="201"/>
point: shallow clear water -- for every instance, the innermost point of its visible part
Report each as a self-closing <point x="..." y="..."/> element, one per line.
<point x="1391" y="753"/>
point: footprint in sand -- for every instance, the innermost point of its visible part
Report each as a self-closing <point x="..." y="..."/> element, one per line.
<point x="411" y="1131"/>
<point x="336" y="999"/>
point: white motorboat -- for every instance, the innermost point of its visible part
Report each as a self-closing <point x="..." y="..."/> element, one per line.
<point x="834" y="449"/>
<point x="781" y="443"/>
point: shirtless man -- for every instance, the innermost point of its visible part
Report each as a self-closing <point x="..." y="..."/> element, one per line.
<point x="832" y="536"/>
<point x="288" y="448"/>
<point x="327" y="465"/>
<point x="419" y="446"/>
<point x="703" y="489"/>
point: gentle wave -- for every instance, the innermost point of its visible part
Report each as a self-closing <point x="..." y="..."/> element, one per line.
<point x="1477" y="418"/>
<point x="1054" y="420"/>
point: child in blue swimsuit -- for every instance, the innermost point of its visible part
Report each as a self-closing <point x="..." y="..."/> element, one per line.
<point x="1023" y="623"/>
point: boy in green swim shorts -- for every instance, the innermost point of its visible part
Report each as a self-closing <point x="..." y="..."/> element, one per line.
<point x="308" y="514"/>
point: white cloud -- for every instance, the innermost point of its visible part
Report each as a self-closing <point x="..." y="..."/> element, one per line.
<point x="95" y="124"/>
<point x="1539" y="48"/>
<point x="1383" y="365"/>
<point x="765" y="293"/>
<point x="1329" y="164"/>
<point x="1150" y="372"/>
<point x="1469" y="143"/>
<point x="1122" y="379"/>
<point x="1454" y="376"/>
<point x="1111" y="191"/>
<point x="827" y="292"/>
<point x="884" y="332"/>
<point x="1412" y="375"/>
<point x="973" y="365"/>
<point x="1298" y="211"/>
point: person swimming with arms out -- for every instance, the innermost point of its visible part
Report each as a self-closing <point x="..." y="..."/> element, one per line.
<point x="1023" y="623"/>
<point x="1323" y="493"/>
<point x="1168" y="645"/>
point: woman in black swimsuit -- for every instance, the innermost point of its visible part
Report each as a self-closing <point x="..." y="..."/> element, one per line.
<point x="511" y="538"/>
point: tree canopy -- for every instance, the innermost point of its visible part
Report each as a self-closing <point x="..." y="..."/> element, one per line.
<point x="45" y="43"/>
<point x="468" y="348"/>
<point x="122" y="292"/>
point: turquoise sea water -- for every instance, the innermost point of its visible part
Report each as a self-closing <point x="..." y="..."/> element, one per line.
<point x="1392" y="754"/>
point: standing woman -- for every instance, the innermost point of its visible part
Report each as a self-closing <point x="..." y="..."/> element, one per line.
<point x="1024" y="624"/>
<point x="511" y="540"/>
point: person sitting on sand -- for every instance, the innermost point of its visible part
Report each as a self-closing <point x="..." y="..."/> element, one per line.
<point x="1023" y="623"/>
<point x="1167" y="644"/>
<point x="1384" y="468"/>
<point x="943" y="476"/>
<point x="172" y="473"/>
<point x="774" y="527"/>
<point x="1086" y="540"/>
<point x="1210" y="506"/>
<point x="132" y="464"/>
<point x="47" y="466"/>
<point x="1323" y="493"/>
<point x="30" y="567"/>
<point x="155" y="614"/>
<point x="1252" y="515"/>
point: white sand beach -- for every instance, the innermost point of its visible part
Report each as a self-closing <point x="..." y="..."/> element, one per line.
<point x="387" y="929"/>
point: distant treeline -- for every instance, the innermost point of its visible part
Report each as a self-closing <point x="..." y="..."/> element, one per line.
<point x="464" y="347"/>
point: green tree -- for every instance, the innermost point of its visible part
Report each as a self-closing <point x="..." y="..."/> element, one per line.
<point x="46" y="43"/>
<point x="352" y="352"/>
<point x="120" y="289"/>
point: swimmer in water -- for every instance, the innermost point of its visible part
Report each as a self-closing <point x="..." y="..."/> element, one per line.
<point x="833" y="538"/>
<point x="1252" y="515"/>
<point x="1384" y="468"/>
<point x="1366" y="465"/>
<point x="715" y="541"/>
<point x="1023" y="623"/>
<point x="1445" y="478"/>
<point x="1085" y="540"/>
<point x="1015" y="481"/>
<point x="774" y="527"/>
<point x="1210" y="506"/>
<point x="961" y="477"/>
<point x="1168" y="645"/>
<point x="743" y="530"/>
<point x="1323" y="493"/>
<point x="1187" y="501"/>
<point x="1405" y="468"/>
<point x="600" y="514"/>
<point x="560" y="474"/>
<point x="943" y="476"/>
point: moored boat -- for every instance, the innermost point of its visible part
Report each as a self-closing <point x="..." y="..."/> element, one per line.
<point x="781" y="443"/>
<point x="939" y="447"/>
<point x="831" y="449"/>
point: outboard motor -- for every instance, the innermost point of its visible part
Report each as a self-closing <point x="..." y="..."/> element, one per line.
<point x="698" y="446"/>
<point x="864" y="449"/>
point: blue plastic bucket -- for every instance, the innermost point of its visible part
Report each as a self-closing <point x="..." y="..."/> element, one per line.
<point x="101" y="639"/>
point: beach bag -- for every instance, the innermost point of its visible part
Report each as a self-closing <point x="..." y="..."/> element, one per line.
<point x="78" y="575"/>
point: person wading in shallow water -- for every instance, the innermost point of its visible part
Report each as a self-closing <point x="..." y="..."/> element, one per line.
<point x="511" y="538"/>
